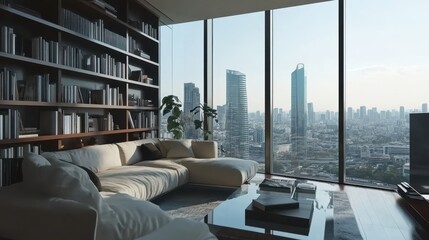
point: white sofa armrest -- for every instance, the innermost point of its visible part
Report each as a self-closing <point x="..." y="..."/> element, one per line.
<point x="204" y="149"/>
<point x="26" y="215"/>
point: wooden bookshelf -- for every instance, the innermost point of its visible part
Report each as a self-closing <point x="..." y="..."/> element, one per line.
<point x="101" y="64"/>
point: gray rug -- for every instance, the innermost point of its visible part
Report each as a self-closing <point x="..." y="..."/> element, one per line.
<point x="194" y="202"/>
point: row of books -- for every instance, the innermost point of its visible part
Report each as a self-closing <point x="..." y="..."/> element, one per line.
<point x="8" y="85"/>
<point x="105" y="64"/>
<point x="44" y="50"/>
<point x="8" y="40"/>
<point x="139" y="76"/>
<point x="107" y="96"/>
<point x="145" y="27"/>
<point x="135" y="47"/>
<point x="38" y="88"/>
<point x="142" y="119"/>
<point x="10" y="124"/>
<point x="57" y="122"/>
<point x="133" y="100"/>
<point x="92" y="29"/>
<point x="11" y="163"/>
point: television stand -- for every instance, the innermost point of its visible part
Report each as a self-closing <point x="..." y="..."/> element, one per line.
<point x="415" y="202"/>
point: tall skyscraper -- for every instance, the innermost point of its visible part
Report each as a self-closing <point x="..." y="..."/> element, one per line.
<point x="236" y="122"/>
<point x="349" y="113"/>
<point x="401" y="112"/>
<point x="362" y="112"/>
<point x="424" y="107"/>
<point x="299" y="109"/>
<point x="311" y="116"/>
<point x="192" y="99"/>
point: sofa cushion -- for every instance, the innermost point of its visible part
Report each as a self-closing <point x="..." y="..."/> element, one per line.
<point x="150" y="151"/>
<point x="30" y="170"/>
<point x="219" y="171"/>
<point x="27" y="215"/>
<point x="178" y="148"/>
<point x="96" y="158"/>
<point x="138" y="217"/>
<point x="188" y="229"/>
<point x="129" y="150"/>
<point x="67" y="181"/>
<point x="204" y="149"/>
<point x="92" y="176"/>
<point x="140" y="182"/>
<point x="181" y="171"/>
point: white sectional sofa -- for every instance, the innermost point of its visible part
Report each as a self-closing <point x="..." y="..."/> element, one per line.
<point x="58" y="201"/>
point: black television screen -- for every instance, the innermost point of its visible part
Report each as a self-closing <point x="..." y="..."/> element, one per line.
<point x="419" y="152"/>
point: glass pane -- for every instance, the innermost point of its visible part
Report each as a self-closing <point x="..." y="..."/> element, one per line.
<point x="238" y="86"/>
<point x="186" y="81"/>
<point x="386" y="79"/>
<point x="305" y="91"/>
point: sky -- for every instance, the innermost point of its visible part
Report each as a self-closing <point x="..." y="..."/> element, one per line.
<point x="387" y="54"/>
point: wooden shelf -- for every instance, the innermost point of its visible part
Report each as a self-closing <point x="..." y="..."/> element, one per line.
<point x="8" y="103"/>
<point x="70" y="136"/>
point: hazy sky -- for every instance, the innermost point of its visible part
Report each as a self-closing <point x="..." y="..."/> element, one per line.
<point x="387" y="54"/>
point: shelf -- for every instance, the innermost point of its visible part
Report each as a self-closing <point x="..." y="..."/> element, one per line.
<point x="8" y="103"/>
<point x="70" y="136"/>
<point x="75" y="34"/>
<point x="71" y="69"/>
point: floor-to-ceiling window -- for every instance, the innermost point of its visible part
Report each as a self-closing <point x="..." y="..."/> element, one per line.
<point x="182" y="72"/>
<point x="238" y="86"/>
<point x="305" y="91"/>
<point x="387" y="69"/>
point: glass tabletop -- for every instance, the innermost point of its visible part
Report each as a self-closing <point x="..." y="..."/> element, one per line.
<point x="231" y="214"/>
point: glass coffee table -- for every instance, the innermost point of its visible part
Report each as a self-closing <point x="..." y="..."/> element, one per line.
<point x="228" y="221"/>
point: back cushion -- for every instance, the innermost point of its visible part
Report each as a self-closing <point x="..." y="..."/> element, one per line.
<point x="130" y="152"/>
<point x="97" y="158"/>
<point x="178" y="148"/>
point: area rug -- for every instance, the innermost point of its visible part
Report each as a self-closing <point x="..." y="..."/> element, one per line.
<point x="194" y="202"/>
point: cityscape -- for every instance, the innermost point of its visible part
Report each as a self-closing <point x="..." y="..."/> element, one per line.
<point x="305" y="142"/>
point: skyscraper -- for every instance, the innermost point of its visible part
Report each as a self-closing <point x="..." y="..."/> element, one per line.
<point x="299" y="109"/>
<point x="362" y="112"/>
<point x="349" y="113"/>
<point x="236" y="122"/>
<point x="401" y="112"/>
<point x="424" y="107"/>
<point x="311" y="117"/>
<point x="192" y="99"/>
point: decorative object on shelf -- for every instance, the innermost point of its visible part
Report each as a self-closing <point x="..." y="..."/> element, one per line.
<point x="208" y="113"/>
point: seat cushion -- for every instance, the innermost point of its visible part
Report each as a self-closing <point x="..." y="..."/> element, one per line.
<point x="137" y="217"/>
<point x="219" y="171"/>
<point x="137" y="181"/>
<point x="182" y="171"/>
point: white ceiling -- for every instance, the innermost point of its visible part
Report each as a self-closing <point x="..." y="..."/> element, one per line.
<point x="179" y="11"/>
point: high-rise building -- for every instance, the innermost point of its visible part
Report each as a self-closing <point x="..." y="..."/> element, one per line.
<point x="401" y="112"/>
<point x="349" y="113"/>
<point x="311" y="116"/>
<point x="424" y="107"/>
<point x="236" y="122"/>
<point x="362" y="112"/>
<point x="192" y="100"/>
<point x="299" y="109"/>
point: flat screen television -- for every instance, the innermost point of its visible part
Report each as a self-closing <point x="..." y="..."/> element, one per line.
<point x="419" y="152"/>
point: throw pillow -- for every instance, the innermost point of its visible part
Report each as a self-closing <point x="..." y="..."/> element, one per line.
<point x="30" y="170"/>
<point x="178" y="148"/>
<point x="150" y="151"/>
<point x="92" y="176"/>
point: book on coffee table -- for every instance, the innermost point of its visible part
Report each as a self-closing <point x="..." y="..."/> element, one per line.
<point x="269" y="202"/>
<point x="277" y="185"/>
<point x="300" y="216"/>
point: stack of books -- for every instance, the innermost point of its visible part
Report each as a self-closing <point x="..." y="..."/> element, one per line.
<point x="278" y="211"/>
<point x="277" y="185"/>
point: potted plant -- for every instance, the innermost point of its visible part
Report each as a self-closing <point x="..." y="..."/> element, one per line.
<point x="175" y="122"/>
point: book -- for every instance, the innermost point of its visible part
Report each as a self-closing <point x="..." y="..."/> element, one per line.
<point x="300" y="216"/>
<point x="49" y="123"/>
<point x="306" y="188"/>
<point x="267" y="202"/>
<point x="277" y="185"/>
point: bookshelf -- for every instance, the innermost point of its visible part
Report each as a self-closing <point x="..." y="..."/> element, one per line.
<point x="76" y="73"/>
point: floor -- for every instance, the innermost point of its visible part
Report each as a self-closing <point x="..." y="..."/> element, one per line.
<point x="380" y="214"/>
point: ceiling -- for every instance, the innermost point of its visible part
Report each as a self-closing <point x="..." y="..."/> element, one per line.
<point x="180" y="11"/>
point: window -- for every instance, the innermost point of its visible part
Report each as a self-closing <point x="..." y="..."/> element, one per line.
<point x="386" y="80"/>
<point x="305" y="91"/>
<point x="183" y="76"/>
<point x="238" y="83"/>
